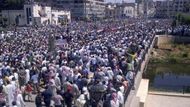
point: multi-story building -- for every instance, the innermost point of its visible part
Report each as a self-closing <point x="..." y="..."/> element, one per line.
<point x="121" y="10"/>
<point x="36" y="14"/>
<point x="83" y="8"/>
<point x="110" y="10"/>
<point x="130" y="10"/>
<point x="170" y="8"/>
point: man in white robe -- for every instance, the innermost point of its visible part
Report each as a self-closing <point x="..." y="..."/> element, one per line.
<point x="20" y="102"/>
<point x="10" y="90"/>
<point x="27" y="75"/>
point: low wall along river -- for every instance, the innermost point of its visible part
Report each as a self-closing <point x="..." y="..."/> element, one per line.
<point x="167" y="77"/>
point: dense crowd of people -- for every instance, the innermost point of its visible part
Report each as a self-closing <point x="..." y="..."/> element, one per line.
<point x="181" y="30"/>
<point x="94" y="66"/>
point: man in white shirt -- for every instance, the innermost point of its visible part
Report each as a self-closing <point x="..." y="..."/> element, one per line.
<point x="20" y="102"/>
<point x="10" y="92"/>
<point x="120" y="98"/>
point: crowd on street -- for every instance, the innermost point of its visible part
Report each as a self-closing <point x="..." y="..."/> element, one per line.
<point x="81" y="64"/>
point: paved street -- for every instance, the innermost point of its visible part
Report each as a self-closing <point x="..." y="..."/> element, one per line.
<point x="167" y="101"/>
<point x="31" y="104"/>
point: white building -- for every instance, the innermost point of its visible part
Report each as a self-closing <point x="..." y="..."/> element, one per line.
<point x="121" y="10"/>
<point x="35" y="14"/>
<point x="130" y="10"/>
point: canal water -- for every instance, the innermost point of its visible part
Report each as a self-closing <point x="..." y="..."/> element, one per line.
<point x="168" y="77"/>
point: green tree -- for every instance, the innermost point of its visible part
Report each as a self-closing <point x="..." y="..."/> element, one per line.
<point x="183" y="18"/>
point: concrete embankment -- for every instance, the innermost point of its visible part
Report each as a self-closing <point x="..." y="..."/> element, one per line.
<point x="166" y="39"/>
<point x="134" y="100"/>
<point x="172" y="94"/>
<point x="166" y="101"/>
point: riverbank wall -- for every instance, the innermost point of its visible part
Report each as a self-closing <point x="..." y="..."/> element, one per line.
<point x="133" y="100"/>
<point x="167" y="39"/>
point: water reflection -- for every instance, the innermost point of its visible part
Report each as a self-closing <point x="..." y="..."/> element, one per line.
<point x="173" y="77"/>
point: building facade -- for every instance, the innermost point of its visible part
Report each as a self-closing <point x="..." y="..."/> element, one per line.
<point x="14" y="16"/>
<point x="35" y="14"/>
<point x="83" y="8"/>
<point x="170" y="8"/>
<point x="131" y="10"/>
<point x="110" y="11"/>
<point x="124" y="10"/>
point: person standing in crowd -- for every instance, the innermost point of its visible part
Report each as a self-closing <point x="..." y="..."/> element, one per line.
<point x="114" y="100"/>
<point x="28" y="91"/>
<point x="68" y="97"/>
<point x="19" y="100"/>
<point x="27" y="75"/>
<point x="34" y="79"/>
<point x="10" y="92"/>
<point x="120" y="97"/>
<point x="130" y="78"/>
<point x="58" y="99"/>
<point x="14" y="104"/>
<point x="38" y="100"/>
<point x="47" y="96"/>
<point x="2" y="96"/>
<point x="22" y="77"/>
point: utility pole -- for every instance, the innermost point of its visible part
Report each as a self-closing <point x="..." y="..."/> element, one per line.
<point x="85" y="13"/>
<point x="116" y="12"/>
<point x="168" y="13"/>
<point x="145" y="8"/>
<point x="178" y="6"/>
<point x="138" y="3"/>
<point x="9" y="17"/>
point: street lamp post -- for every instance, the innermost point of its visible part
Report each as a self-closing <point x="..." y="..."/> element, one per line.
<point x="85" y="11"/>
<point x="168" y="13"/>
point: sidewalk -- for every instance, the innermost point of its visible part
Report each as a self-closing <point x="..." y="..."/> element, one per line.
<point x="154" y="100"/>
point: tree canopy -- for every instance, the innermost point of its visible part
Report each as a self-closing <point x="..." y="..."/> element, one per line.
<point x="183" y="18"/>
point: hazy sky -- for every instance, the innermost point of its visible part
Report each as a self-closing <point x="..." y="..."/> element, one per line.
<point x="126" y="0"/>
<point x="119" y="0"/>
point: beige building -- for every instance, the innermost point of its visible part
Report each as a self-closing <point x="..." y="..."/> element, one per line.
<point x="130" y="10"/>
<point x="124" y="10"/>
<point x="83" y="8"/>
<point x="14" y="16"/>
<point x="110" y="10"/>
<point x="35" y="14"/>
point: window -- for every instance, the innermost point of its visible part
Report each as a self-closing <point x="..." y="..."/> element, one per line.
<point x="61" y="18"/>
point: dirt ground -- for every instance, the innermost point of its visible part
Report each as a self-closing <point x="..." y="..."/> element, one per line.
<point x="177" y="51"/>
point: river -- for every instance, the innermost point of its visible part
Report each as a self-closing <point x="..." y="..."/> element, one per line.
<point x="168" y="77"/>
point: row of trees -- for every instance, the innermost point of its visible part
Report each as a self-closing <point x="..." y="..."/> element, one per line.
<point x="182" y="19"/>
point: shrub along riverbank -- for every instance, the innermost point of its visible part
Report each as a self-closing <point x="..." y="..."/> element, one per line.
<point x="171" y="54"/>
